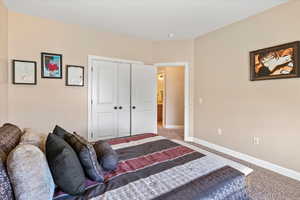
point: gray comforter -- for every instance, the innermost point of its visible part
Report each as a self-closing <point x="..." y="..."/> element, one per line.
<point x="154" y="168"/>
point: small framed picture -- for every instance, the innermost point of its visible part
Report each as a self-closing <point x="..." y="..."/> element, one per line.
<point x="24" y="72"/>
<point x="275" y="62"/>
<point x="75" y="76"/>
<point x="51" y="65"/>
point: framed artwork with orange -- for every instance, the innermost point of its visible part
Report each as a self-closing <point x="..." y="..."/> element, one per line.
<point x="275" y="62"/>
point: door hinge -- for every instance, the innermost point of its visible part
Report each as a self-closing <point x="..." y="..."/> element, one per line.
<point x="92" y="69"/>
<point x="92" y="102"/>
<point x="92" y="135"/>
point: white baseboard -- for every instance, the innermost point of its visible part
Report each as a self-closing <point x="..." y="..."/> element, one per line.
<point x="173" y="126"/>
<point x="189" y="139"/>
<point x="261" y="163"/>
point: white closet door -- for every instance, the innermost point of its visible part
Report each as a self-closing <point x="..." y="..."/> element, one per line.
<point x="124" y="99"/>
<point x="143" y="99"/>
<point x="104" y="97"/>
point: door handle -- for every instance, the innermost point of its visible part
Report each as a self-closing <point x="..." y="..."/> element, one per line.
<point x="120" y="107"/>
<point x="133" y="107"/>
<point x="115" y="107"/>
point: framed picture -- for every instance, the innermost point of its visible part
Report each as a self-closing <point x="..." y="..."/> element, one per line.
<point x="51" y="65"/>
<point x="75" y="75"/>
<point x="275" y="62"/>
<point x="24" y="72"/>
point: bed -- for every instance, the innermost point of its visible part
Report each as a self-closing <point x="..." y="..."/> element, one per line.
<point x="152" y="167"/>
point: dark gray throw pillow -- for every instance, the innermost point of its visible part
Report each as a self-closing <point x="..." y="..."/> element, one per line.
<point x="66" y="169"/>
<point x="59" y="131"/>
<point x="107" y="157"/>
<point x="85" y="152"/>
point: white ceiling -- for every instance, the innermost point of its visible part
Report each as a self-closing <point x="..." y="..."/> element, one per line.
<point x="149" y="19"/>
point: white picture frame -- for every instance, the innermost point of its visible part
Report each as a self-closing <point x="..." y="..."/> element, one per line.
<point x="75" y="76"/>
<point x="24" y="72"/>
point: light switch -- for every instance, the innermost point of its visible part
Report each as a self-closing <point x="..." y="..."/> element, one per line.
<point x="256" y="140"/>
<point x="220" y="132"/>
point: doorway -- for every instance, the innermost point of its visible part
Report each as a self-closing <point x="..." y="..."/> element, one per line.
<point x="187" y="134"/>
<point x="170" y="101"/>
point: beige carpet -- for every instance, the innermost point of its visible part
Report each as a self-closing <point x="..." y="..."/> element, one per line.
<point x="262" y="184"/>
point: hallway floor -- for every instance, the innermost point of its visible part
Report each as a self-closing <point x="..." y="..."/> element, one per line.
<point x="262" y="184"/>
<point x="172" y="133"/>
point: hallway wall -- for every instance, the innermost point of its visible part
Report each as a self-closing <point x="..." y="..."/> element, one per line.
<point x="174" y="96"/>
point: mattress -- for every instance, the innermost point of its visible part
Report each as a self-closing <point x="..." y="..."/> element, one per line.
<point x="152" y="167"/>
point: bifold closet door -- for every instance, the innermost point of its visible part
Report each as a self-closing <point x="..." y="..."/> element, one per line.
<point x="104" y="100"/>
<point x="143" y="99"/>
<point x="124" y="99"/>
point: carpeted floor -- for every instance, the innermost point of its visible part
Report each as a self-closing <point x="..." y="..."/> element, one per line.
<point x="262" y="184"/>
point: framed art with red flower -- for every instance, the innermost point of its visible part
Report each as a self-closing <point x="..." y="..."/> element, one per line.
<point x="51" y="65"/>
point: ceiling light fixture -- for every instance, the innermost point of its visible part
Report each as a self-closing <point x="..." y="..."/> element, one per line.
<point x="161" y="77"/>
<point x="171" y="35"/>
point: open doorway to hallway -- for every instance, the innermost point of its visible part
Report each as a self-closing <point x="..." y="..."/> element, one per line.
<point x="170" y="101"/>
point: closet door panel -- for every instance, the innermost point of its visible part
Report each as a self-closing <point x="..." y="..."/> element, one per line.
<point x="104" y="97"/>
<point x="124" y="92"/>
<point x="143" y="122"/>
<point x="144" y="99"/>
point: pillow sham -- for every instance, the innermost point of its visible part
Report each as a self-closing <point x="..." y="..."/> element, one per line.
<point x="106" y="155"/>
<point x="85" y="152"/>
<point x="9" y="137"/>
<point x="34" y="138"/>
<point x="6" y="191"/>
<point x="30" y="174"/>
<point x="65" y="166"/>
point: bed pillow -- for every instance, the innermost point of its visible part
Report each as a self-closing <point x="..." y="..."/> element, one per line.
<point x="65" y="166"/>
<point x="34" y="138"/>
<point x="9" y="137"/>
<point x="85" y="152"/>
<point x="6" y="191"/>
<point x="30" y="174"/>
<point x="59" y="131"/>
<point x="107" y="157"/>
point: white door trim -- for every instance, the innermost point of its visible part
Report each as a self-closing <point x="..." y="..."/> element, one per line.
<point x="89" y="78"/>
<point x="186" y="66"/>
<point x="90" y="57"/>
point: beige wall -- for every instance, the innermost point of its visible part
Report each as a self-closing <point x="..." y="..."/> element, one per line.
<point x="178" y="51"/>
<point x="173" y="51"/>
<point x="3" y="63"/>
<point x="174" y="90"/>
<point x="244" y="109"/>
<point x="51" y="102"/>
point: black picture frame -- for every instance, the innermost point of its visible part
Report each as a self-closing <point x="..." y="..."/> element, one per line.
<point x="70" y="67"/>
<point x="287" y="57"/>
<point x="47" y="73"/>
<point x="14" y="70"/>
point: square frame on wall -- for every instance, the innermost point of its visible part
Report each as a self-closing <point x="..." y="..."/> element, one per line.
<point x="24" y="72"/>
<point x="51" y="65"/>
<point x="278" y="62"/>
<point x="74" y="75"/>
